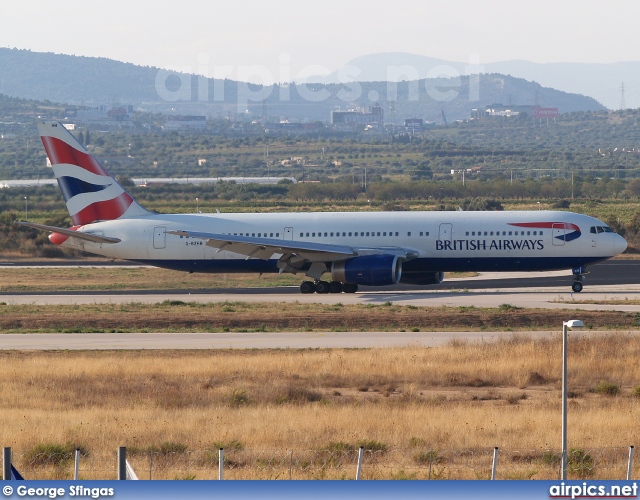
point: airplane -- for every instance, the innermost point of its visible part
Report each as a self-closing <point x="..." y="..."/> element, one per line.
<point x="353" y="248"/>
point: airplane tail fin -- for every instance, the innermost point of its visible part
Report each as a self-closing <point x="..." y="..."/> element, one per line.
<point x="91" y="194"/>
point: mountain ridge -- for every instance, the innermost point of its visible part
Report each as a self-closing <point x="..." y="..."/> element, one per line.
<point x="92" y="81"/>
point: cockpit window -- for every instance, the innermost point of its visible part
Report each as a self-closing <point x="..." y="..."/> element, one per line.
<point x="607" y="229"/>
<point x="593" y="230"/>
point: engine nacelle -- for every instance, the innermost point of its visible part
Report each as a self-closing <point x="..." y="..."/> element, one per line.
<point x="422" y="278"/>
<point x="371" y="270"/>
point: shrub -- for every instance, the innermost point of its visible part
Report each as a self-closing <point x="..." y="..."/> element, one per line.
<point x="372" y="445"/>
<point x="53" y="454"/>
<point x="298" y="395"/>
<point x="427" y="457"/>
<point x="170" y="447"/>
<point x="580" y="463"/>
<point x="607" y="388"/>
<point x="238" y="398"/>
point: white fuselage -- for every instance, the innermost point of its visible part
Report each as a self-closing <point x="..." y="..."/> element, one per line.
<point x="443" y="241"/>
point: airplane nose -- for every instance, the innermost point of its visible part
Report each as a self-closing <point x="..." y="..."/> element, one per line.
<point x="619" y="244"/>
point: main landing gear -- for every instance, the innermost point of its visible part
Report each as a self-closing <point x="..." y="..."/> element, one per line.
<point x="578" y="277"/>
<point x="327" y="287"/>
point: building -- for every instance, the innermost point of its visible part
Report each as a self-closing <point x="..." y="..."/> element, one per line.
<point x="359" y="118"/>
<point x="104" y="114"/>
<point x="186" y="122"/>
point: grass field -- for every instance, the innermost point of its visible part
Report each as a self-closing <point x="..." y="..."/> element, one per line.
<point x="178" y="316"/>
<point x="463" y="396"/>
<point x="419" y="412"/>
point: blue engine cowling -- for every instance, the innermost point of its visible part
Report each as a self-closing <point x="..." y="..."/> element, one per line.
<point x="370" y="270"/>
<point x="422" y="278"/>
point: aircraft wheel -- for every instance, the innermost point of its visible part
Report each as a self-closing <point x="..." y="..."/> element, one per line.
<point x="322" y="287"/>
<point x="307" y="287"/>
<point x="577" y="286"/>
<point x="335" y="287"/>
<point x="349" y="287"/>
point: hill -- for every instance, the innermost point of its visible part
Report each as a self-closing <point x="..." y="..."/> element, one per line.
<point x="93" y="81"/>
<point x="599" y="81"/>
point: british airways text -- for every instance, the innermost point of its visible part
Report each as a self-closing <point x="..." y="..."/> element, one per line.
<point x="472" y="245"/>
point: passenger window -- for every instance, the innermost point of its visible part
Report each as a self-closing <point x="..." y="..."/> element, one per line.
<point x="349" y="233"/>
<point x="427" y="233"/>
<point x="540" y="233"/>
<point x="325" y="235"/>
<point x="367" y="233"/>
<point x="307" y="235"/>
<point x="466" y="234"/>
<point x="528" y="233"/>
<point x="535" y="232"/>
<point x="384" y="234"/>
<point x="277" y="235"/>
<point x="378" y="233"/>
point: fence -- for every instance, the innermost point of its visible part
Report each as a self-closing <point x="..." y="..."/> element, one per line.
<point x="407" y="463"/>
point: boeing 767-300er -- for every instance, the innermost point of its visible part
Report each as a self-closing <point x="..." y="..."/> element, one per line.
<point x="353" y="248"/>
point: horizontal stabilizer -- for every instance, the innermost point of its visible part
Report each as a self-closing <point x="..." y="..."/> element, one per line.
<point x="70" y="232"/>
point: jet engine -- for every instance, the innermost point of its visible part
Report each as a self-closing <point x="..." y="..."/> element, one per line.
<point x="371" y="270"/>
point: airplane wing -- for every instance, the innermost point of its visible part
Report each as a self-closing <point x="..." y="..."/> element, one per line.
<point x="265" y="248"/>
<point x="70" y="232"/>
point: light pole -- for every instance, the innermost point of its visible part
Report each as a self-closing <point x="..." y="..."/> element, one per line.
<point x="197" y="206"/>
<point x="574" y="324"/>
<point x="26" y="209"/>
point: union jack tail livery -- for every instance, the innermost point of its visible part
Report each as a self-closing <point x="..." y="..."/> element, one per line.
<point x="90" y="193"/>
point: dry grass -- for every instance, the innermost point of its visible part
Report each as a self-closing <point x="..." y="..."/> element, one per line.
<point x="129" y="278"/>
<point x="107" y="277"/>
<point x="246" y="316"/>
<point x="463" y="396"/>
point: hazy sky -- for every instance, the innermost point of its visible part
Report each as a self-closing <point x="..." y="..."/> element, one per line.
<point x="282" y="38"/>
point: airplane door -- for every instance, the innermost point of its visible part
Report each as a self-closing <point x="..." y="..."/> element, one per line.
<point x="444" y="234"/>
<point x="557" y="234"/>
<point x="288" y="233"/>
<point x="159" y="237"/>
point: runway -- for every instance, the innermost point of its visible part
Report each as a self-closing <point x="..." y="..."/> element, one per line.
<point x="615" y="280"/>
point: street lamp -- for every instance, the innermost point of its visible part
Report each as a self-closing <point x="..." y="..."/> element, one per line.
<point x="26" y="209"/>
<point x="197" y="206"/>
<point x="574" y="324"/>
